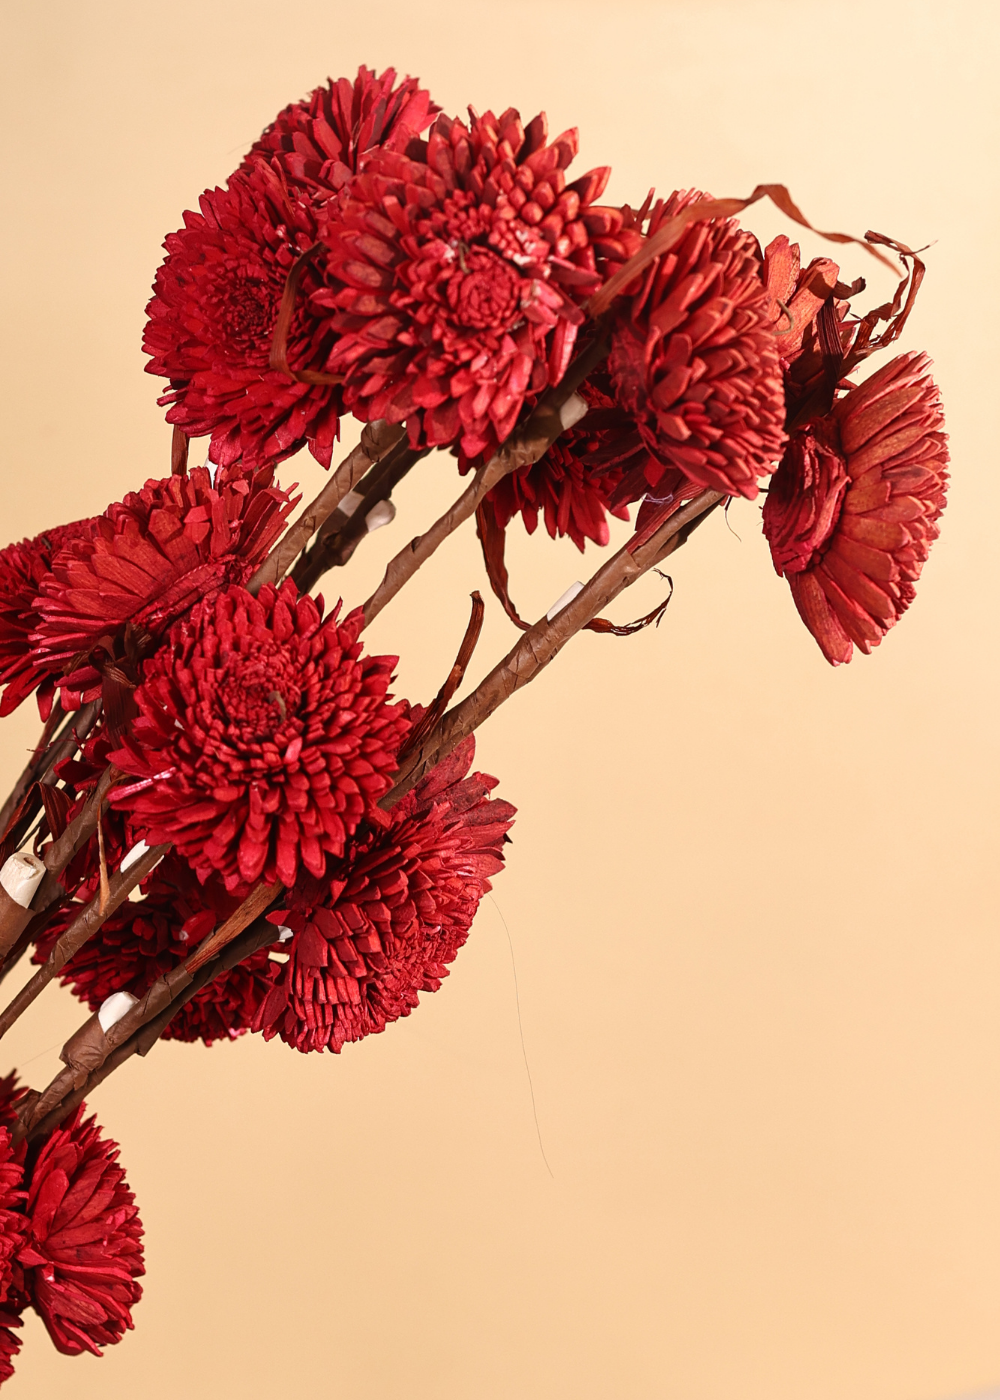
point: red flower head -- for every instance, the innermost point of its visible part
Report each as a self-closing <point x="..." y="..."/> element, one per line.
<point x="82" y="1253"/>
<point x="212" y="322"/>
<point x="575" y="483"/>
<point x="459" y="277"/>
<point x="22" y="569"/>
<point x="852" y="510"/>
<point x="386" y="927"/>
<point x="693" y="358"/>
<point x="147" y="560"/>
<point x="263" y="737"/>
<point x="318" y="143"/>
<point x="147" y="938"/>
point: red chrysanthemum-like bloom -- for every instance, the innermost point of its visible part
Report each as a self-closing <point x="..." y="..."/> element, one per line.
<point x="319" y="142"/>
<point x="851" y="512"/>
<point x="574" y="485"/>
<point x="82" y="1254"/>
<point x="212" y="322"/>
<point x="145" y="939"/>
<point x="394" y="916"/>
<point x="693" y="358"/>
<point x="264" y="736"/>
<point x="147" y="561"/>
<point x="23" y="567"/>
<point x="456" y="279"/>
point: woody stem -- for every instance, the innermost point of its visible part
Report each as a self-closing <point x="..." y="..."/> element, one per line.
<point x="525" y="446"/>
<point x="545" y="639"/>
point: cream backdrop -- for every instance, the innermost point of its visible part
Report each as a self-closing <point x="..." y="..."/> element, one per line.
<point x="751" y="899"/>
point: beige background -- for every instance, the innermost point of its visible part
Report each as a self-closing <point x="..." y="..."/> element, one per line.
<point x="751" y="899"/>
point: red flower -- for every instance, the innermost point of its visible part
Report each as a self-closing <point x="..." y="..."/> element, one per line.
<point x="22" y="569"/>
<point x="263" y="737"/>
<point x="385" y="928"/>
<point x="693" y="358"/>
<point x="318" y="143"/>
<point x="575" y="484"/>
<point x="147" y="560"/>
<point x="145" y="939"/>
<point x="458" y="278"/>
<point x="212" y="321"/>
<point x="82" y="1252"/>
<point x="851" y="512"/>
<point x="801" y="294"/>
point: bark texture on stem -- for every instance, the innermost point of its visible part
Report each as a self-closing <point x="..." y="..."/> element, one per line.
<point x="544" y="640"/>
<point x="377" y="439"/>
<point x="84" y="926"/>
<point x="525" y="446"/>
<point x="258" y="936"/>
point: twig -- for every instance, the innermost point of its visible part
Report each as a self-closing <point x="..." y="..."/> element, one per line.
<point x="341" y="534"/>
<point x="50" y="751"/>
<point x="377" y="439"/>
<point x="543" y="641"/>
<point x="83" y="927"/>
<point x="522" y="448"/>
<point x="257" y="936"/>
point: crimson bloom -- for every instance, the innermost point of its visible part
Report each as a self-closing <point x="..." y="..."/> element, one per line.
<point x="82" y="1252"/>
<point x="693" y="357"/>
<point x="455" y="279"/>
<point x="263" y="737"/>
<point x="394" y="915"/>
<point x="146" y="561"/>
<point x="145" y="939"/>
<point x="12" y="1226"/>
<point x="23" y="568"/>
<point x="212" y="321"/>
<point x="318" y="143"/>
<point x="852" y="510"/>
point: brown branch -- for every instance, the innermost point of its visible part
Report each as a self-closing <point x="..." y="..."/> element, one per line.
<point x="543" y="641"/>
<point x="377" y="440"/>
<point x="91" y="1045"/>
<point x="524" y="446"/>
<point x="83" y="927"/>
<point x="341" y="535"/>
<point x="178" y="452"/>
<point x="258" y="936"/>
<point x="453" y="680"/>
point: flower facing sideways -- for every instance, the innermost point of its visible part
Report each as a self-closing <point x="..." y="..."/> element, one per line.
<point x="852" y="511"/>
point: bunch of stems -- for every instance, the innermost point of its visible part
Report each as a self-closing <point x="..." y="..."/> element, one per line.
<point x="325" y="535"/>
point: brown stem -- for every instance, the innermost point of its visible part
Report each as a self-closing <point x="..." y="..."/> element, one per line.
<point x="178" y="452"/>
<point x="340" y="536"/>
<point x="83" y="927"/>
<point x="377" y="440"/>
<point x="90" y="1046"/>
<point x="59" y="854"/>
<point x="258" y="936"/>
<point x="453" y="680"/>
<point x="74" y="727"/>
<point x="522" y="448"/>
<point x="543" y="641"/>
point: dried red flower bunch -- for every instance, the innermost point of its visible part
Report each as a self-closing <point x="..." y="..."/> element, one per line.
<point x="228" y="824"/>
<point x="395" y="914"/>
<point x="457" y="278"/>
<point x="853" y="509"/>
<point x="263" y="737"/>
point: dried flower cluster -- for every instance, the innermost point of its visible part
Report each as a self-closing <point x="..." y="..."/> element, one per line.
<point x="229" y="824"/>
